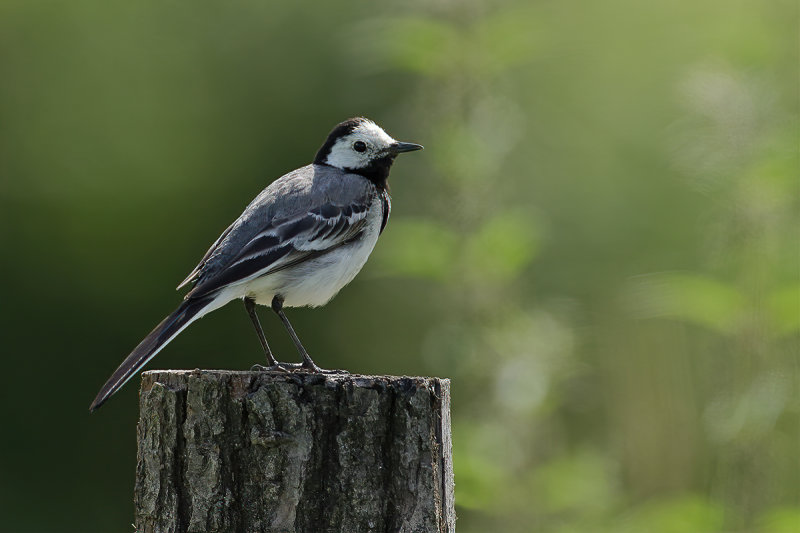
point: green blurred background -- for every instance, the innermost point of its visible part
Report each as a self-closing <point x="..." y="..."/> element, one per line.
<point x="599" y="244"/>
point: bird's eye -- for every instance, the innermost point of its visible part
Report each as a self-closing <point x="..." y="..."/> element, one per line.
<point x="359" y="146"/>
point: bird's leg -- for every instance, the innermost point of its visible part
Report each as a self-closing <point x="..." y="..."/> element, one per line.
<point x="308" y="363"/>
<point x="250" y="305"/>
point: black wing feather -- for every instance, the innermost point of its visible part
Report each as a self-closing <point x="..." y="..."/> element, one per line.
<point x="194" y="274"/>
<point x="286" y="242"/>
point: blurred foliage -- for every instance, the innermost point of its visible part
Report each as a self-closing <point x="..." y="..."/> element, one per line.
<point x="599" y="244"/>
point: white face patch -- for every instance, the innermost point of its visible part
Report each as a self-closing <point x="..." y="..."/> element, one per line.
<point x="343" y="153"/>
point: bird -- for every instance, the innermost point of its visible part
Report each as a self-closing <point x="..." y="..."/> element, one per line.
<point x="302" y="239"/>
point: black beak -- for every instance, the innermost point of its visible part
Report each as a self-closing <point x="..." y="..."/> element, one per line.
<point x="399" y="148"/>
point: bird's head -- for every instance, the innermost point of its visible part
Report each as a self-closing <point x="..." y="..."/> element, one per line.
<point x="359" y="145"/>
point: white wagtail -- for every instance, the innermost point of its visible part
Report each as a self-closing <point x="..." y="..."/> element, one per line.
<point x="297" y="244"/>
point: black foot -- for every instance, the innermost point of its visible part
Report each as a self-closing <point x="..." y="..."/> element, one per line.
<point x="296" y="367"/>
<point x="279" y="367"/>
<point x="317" y="370"/>
<point x="309" y="365"/>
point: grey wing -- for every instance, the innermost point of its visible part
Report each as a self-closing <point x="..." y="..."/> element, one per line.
<point x="195" y="274"/>
<point x="284" y="242"/>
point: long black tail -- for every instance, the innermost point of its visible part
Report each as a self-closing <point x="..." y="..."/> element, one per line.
<point x="189" y="311"/>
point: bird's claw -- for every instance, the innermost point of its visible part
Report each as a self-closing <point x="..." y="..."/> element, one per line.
<point x="296" y="367"/>
<point x="309" y="366"/>
<point x="272" y="368"/>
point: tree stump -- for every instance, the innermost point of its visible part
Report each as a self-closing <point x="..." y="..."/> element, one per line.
<point x="227" y="451"/>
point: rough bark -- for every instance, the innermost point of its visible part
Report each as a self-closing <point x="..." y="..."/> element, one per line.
<point x="251" y="452"/>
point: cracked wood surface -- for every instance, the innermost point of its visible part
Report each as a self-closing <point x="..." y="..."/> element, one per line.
<point x="226" y="451"/>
